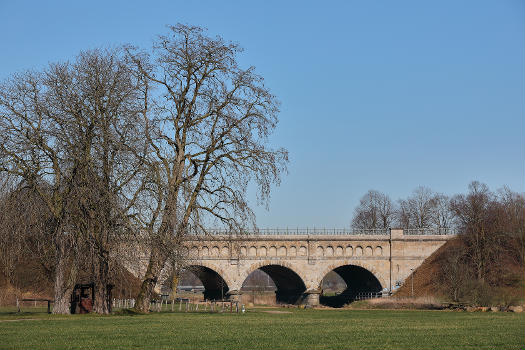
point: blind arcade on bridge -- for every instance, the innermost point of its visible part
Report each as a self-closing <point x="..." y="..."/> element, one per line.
<point x="297" y="262"/>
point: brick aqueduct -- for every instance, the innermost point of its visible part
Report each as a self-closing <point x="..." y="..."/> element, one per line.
<point x="297" y="261"/>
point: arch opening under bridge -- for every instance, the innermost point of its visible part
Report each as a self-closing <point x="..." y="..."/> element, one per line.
<point x="215" y="287"/>
<point x="358" y="281"/>
<point x="289" y="285"/>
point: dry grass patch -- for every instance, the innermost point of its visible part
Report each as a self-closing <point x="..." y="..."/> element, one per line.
<point x="419" y="303"/>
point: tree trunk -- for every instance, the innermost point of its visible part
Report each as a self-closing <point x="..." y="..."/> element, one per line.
<point x="155" y="265"/>
<point x="65" y="276"/>
<point x="158" y="255"/>
<point x="101" y="280"/>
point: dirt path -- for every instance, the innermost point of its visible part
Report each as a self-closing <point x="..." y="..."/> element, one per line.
<point x="21" y="319"/>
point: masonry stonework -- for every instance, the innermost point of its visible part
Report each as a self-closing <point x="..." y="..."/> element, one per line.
<point x="306" y="259"/>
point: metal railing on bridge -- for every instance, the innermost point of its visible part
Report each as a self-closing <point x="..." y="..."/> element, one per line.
<point x="303" y="231"/>
<point x="334" y="231"/>
<point x="430" y="231"/>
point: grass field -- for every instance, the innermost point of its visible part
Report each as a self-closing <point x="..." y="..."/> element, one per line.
<point x="260" y="329"/>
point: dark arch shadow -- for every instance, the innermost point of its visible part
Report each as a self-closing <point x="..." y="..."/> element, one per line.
<point x="290" y="287"/>
<point x="215" y="287"/>
<point x="358" y="280"/>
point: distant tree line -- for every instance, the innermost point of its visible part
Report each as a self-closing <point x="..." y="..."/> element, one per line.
<point x="422" y="209"/>
<point x="489" y="251"/>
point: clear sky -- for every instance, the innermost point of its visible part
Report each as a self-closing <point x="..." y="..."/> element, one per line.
<point x="385" y="95"/>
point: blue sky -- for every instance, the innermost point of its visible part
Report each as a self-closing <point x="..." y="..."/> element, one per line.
<point x="385" y="95"/>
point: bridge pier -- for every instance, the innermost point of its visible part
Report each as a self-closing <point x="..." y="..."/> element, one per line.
<point x="234" y="295"/>
<point x="311" y="297"/>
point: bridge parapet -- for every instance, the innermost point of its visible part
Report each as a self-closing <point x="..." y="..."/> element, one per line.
<point x="331" y="232"/>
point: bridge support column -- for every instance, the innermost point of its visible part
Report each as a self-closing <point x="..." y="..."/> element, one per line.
<point x="311" y="297"/>
<point x="234" y="295"/>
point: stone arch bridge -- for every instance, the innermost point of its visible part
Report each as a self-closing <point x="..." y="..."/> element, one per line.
<point x="298" y="260"/>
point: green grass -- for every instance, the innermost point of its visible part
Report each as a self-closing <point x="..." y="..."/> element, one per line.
<point x="300" y="329"/>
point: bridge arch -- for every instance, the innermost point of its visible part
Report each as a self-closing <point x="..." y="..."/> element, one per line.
<point x="289" y="282"/>
<point x="212" y="278"/>
<point x="358" y="277"/>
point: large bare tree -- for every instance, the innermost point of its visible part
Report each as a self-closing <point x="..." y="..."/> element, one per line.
<point x="66" y="134"/>
<point x="208" y="121"/>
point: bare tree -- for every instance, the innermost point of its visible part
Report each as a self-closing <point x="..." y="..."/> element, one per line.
<point x="454" y="272"/>
<point x="207" y="125"/>
<point x="24" y="237"/>
<point x="375" y="211"/>
<point x="29" y="151"/>
<point x="442" y="216"/>
<point x="512" y="223"/>
<point x="418" y="210"/>
<point x="108" y="172"/>
<point x="386" y="210"/>
<point x="472" y="213"/>
<point x="403" y="214"/>
<point x="66" y="134"/>
<point x="488" y="252"/>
